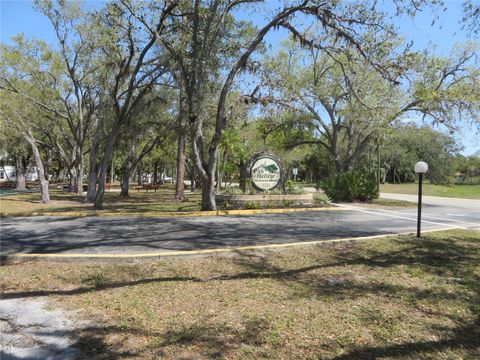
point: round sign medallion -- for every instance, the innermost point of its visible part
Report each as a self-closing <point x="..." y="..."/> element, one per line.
<point x="265" y="173"/>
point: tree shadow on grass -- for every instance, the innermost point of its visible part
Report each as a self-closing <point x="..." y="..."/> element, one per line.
<point x="454" y="258"/>
<point x="205" y="339"/>
<point x="465" y="337"/>
<point x="434" y="256"/>
<point x="216" y="340"/>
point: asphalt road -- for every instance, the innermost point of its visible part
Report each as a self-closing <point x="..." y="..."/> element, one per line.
<point x="143" y="235"/>
<point x="464" y="212"/>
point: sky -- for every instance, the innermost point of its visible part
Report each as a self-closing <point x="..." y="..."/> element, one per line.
<point x="18" y="16"/>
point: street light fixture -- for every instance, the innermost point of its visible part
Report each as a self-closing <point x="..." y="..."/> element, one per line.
<point x="420" y="168"/>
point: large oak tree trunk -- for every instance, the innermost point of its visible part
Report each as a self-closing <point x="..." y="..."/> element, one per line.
<point x="103" y="168"/>
<point x="139" y="176"/>
<point x="80" y="172"/>
<point x="73" y="179"/>
<point x="127" y="168"/>
<point x="41" y="172"/>
<point x="181" y="155"/>
<point x="21" y="169"/>
<point x="208" y="193"/>
<point x="91" y="186"/>
<point x="93" y="163"/>
<point x="125" y="183"/>
<point x="207" y="173"/>
<point x="112" y="174"/>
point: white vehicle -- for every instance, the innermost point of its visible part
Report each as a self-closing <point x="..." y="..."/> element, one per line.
<point x="7" y="173"/>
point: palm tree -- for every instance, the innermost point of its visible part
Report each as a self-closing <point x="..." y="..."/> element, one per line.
<point x="230" y="143"/>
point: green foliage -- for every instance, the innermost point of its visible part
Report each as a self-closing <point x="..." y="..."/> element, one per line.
<point x="88" y="88"/>
<point x="271" y="205"/>
<point x="351" y="186"/>
<point x="252" y="205"/>
<point x="468" y="169"/>
<point x="287" y="203"/>
<point x="473" y="180"/>
<point x="321" y="199"/>
<point x="293" y="188"/>
<point x="408" y="144"/>
<point x="249" y="186"/>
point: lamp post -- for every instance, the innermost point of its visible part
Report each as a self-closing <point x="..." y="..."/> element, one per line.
<point x="420" y="168"/>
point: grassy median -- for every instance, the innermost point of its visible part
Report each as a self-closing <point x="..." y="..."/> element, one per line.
<point x="457" y="191"/>
<point x="397" y="297"/>
<point x="63" y="202"/>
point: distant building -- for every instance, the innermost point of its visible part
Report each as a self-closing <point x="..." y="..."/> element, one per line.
<point x="7" y="173"/>
<point x="7" y="168"/>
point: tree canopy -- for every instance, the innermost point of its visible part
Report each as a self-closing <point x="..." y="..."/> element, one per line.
<point x="126" y="83"/>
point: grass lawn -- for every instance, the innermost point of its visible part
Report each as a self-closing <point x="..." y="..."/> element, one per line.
<point x="382" y="202"/>
<point x="458" y="191"/>
<point x="162" y="200"/>
<point x="138" y="202"/>
<point x="386" y="298"/>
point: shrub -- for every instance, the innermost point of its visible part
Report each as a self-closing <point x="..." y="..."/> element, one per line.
<point x="350" y="186"/>
<point x="293" y="188"/>
<point x="252" y="205"/>
<point x="321" y="199"/>
<point x="472" y="180"/>
<point x="287" y="203"/>
<point x="444" y="180"/>
<point x="249" y="186"/>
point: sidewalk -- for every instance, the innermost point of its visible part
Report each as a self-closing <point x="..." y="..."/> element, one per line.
<point x="34" y="329"/>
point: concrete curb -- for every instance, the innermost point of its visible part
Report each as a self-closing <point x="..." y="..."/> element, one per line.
<point x="174" y="213"/>
<point x="65" y="256"/>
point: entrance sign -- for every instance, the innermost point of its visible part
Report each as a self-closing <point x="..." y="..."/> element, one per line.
<point x="266" y="172"/>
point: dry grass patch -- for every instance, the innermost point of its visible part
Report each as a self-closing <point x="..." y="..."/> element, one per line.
<point x="386" y="298"/>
